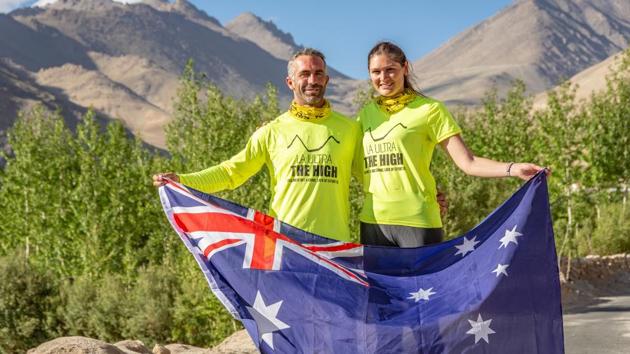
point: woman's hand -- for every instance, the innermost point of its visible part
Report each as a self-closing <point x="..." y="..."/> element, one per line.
<point x="526" y="171"/>
<point x="160" y="179"/>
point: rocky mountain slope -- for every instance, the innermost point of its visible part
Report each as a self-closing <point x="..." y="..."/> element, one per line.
<point x="125" y="59"/>
<point x="341" y="90"/>
<point x="538" y="41"/>
<point x="588" y="81"/>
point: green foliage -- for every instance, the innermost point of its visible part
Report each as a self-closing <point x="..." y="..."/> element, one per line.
<point x="209" y="127"/>
<point x="95" y="307"/>
<point x="150" y="304"/>
<point x="41" y="157"/>
<point x="198" y="317"/>
<point x="75" y="200"/>
<point x="356" y="202"/>
<point x="364" y="94"/>
<point x="28" y="299"/>
<point x="612" y="231"/>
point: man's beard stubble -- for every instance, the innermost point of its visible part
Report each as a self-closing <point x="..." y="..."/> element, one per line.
<point x="313" y="99"/>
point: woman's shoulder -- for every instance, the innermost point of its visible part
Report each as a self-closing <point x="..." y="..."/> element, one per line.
<point x="425" y="101"/>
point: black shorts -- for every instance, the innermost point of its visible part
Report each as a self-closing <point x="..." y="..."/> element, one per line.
<point x="399" y="236"/>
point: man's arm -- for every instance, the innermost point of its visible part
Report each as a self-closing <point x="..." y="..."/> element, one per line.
<point x="226" y="175"/>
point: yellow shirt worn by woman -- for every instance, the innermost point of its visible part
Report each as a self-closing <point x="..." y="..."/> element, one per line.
<point x="398" y="144"/>
<point x="309" y="161"/>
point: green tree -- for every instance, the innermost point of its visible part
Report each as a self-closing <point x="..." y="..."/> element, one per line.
<point x="209" y="127"/>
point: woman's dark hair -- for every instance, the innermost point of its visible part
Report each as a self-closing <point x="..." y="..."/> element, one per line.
<point x="396" y="54"/>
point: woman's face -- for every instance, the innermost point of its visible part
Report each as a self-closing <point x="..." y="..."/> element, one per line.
<point x="387" y="75"/>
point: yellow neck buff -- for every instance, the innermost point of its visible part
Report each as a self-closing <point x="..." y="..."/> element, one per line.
<point x="308" y="113"/>
<point x="397" y="102"/>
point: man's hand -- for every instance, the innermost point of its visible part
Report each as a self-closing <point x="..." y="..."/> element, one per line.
<point x="441" y="199"/>
<point x="160" y="179"/>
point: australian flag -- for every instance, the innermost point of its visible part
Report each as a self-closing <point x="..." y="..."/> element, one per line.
<point x="494" y="289"/>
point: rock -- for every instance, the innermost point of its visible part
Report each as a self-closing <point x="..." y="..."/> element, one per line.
<point x="160" y="349"/>
<point x="133" y="346"/>
<point x="76" y="345"/>
<point x="238" y="343"/>
<point x="187" y="349"/>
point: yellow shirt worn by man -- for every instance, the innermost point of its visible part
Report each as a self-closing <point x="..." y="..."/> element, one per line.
<point x="309" y="161"/>
<point x="397" y="151"/>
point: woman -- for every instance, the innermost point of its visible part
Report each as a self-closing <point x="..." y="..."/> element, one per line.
<point x="401" y="128"/>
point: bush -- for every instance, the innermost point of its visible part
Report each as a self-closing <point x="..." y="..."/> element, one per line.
<point x="612" y="231"/>
<point x="150" y="304"/>
<point x="198" y="317"/>
<point x="95" y="306"/>
<point x="28" y="299"/>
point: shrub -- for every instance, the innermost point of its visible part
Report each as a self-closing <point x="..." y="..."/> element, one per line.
<point x="28" y="299"/>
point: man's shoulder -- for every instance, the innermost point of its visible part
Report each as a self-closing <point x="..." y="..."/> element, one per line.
<point x="272" y="124"/>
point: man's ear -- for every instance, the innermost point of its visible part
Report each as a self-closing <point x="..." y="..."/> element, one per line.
<point x="289" y="82"/>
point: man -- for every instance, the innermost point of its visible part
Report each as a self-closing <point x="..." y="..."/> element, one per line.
<point x="308" y="150"/>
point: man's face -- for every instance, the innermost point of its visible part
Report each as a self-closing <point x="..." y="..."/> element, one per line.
<point x="308" y="81"/>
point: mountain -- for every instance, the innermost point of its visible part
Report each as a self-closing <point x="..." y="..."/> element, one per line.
<point x="540" y="42"/>
<point x="125" y="59"/>
<point x="588" y="81"/>
<point x="341" y="90"/>
<point x="265" y="34"/>
<point x="19" y="89"/>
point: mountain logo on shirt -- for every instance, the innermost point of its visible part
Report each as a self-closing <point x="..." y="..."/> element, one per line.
<point x="386" y="134"/>
<point x="297" y="137"/>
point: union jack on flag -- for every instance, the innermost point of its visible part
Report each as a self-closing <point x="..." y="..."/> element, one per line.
<point x="495" y="289"/>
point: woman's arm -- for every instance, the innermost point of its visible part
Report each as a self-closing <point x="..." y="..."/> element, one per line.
<point x="482" y="167"/>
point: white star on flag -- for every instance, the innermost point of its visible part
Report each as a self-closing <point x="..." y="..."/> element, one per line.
<point x="467" y="246"/>
<point x="421" y="294"/>
<point x="510" y="236"/>
<point x="501" y="269"/>
<point x="480" y="328"/>
<point x="266" y="318"/>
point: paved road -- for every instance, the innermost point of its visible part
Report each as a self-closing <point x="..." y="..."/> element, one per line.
<point x="599" y="329"/>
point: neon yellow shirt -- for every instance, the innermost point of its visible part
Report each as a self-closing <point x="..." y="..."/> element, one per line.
<point x="397" y="151"/>
<point x="309" y="164"/>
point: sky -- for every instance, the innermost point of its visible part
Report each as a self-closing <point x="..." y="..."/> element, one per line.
<point x="346" y="30"/>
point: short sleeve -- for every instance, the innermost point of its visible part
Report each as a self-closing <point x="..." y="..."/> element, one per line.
<point x="441" y="123"/>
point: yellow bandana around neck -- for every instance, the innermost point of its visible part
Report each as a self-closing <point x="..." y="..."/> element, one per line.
<point x="397" y="102"/>
<point x="308" y="113"/>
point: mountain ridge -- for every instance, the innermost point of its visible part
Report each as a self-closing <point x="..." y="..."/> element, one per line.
<point x="540" y="42"/>
<point x="138" y="50"/>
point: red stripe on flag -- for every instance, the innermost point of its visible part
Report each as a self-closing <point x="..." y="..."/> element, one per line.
<point x="213" y="222"/>
<point x="345" y="246"/>
<point x="265" y="243"/>
<point x="219" y="244"/>
<point x="264" y="250"/>
<point x="264" y="220"/>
